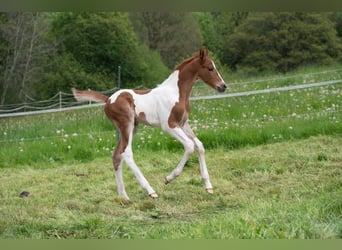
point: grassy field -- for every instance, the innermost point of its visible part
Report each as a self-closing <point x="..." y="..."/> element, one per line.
<point x="275" y="162"/>
<point x="282" y="190"/>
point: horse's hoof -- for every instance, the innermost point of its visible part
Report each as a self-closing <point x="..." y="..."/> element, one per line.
<point x="210" y="190"/>
<point x="166" y="181"/>
<point x="153" y="195"/>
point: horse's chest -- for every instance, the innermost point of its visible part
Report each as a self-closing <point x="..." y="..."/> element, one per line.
<point x="178" y="115"/>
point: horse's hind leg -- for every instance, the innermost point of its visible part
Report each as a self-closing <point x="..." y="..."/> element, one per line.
<point x="127" y="155"/>
<point x="117" y="162"/>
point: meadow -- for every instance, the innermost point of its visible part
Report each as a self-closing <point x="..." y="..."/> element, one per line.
<point x="275" y="162"/>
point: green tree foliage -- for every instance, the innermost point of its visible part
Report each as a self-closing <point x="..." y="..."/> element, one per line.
<point x="97" y="40"/>
<point x="100" y="42"/>
<point x="225" y="24"/>
<point x="282" y="42"/>
<point x="43" y="53"/>
<point x="175" y="35"/>
<point x="337" y="18"/>
<point x="209" y="32"/>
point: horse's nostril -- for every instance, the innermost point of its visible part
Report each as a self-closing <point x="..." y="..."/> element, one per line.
<point x="221" y="88"/>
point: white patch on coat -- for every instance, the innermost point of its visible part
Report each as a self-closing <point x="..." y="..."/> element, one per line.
<point x="156" y="104"/>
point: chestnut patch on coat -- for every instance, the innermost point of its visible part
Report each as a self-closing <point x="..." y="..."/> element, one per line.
<point x="180" y="111"/>
<point x="141" y="92"/>
<point x="178" y="115"/>
<point x="121" y="113"/>
<point x="142" y="118"/>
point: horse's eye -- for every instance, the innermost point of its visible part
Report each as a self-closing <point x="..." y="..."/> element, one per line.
<point x="210" y="69"/>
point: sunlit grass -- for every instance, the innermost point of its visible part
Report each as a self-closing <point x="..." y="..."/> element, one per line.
<point x="282" y="190"/>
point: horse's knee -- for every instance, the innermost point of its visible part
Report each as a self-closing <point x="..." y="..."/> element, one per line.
<point x="189" y="147"/>
<point x="199" y="146"/>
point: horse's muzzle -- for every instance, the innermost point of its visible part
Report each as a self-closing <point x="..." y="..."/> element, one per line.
<point x="221" y="87"/>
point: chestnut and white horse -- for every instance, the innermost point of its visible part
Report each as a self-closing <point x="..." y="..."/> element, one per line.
<point x="166" y="106"/>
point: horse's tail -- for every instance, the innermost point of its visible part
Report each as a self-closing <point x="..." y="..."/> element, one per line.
<point x="89" y="95"/>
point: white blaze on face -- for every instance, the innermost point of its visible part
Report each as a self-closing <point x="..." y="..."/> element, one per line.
<point x="217" y="71"/>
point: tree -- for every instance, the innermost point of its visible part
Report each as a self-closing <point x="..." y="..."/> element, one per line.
<point x="225" y="24"/>
<point x="93" y="45"/>
<point x="209" y="33"/>
<point x="100" y="42"/>
<point x="174" y="35"/>
<point x="337" y="18"/>
<point x="282" y="42"/>
<point x="24" y="50"/>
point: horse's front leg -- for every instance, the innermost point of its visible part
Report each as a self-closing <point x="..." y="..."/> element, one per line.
<point x="188" y="144"/>
<point x="201" y="157"/>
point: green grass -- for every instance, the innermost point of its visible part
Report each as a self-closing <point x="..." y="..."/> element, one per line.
<point x="282" y="190"/>
<point x="274" y="159"/>
<point x="84" y="135"/>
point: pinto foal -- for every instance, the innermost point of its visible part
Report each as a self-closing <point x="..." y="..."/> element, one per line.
<point x="166" y="106"/>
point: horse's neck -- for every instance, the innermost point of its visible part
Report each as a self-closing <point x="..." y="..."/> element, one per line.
<point x="182" y="86"/>
<point x="171" y="81"/>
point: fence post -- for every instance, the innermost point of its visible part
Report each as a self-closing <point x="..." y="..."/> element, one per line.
<point x="89" y="102"/>
<point x="60" y="100"/>
<point x="119" y="77"/>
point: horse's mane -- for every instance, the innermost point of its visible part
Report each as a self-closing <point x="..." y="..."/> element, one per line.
<point x="186" y="61"/>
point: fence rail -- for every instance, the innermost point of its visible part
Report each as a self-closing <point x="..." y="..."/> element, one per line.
<point x="59" y="103"/>
<point x="269" y="90"/>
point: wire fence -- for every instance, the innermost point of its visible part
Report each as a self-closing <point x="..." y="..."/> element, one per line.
<point x="65" y="101"/>
<point x="59" y="101"/>
<point x="333" y="114"/>
<point x="233" y="122"/>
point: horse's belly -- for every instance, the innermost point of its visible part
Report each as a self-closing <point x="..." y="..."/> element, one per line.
<point x="154" y="108"/>
<point x="147" y="118"/>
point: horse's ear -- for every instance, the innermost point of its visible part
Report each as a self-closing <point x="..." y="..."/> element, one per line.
<point x="203" y="54"/>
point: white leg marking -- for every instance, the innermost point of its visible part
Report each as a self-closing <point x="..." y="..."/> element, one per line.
<point x="127" y="155"/>
<point x="203" y="166"/>
<point x="201" y="157"/>
<point x="188" y="144"/>
<point x="120" y="182"/>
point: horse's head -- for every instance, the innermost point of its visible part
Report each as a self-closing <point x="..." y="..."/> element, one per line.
<point x="208" y="72"/>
